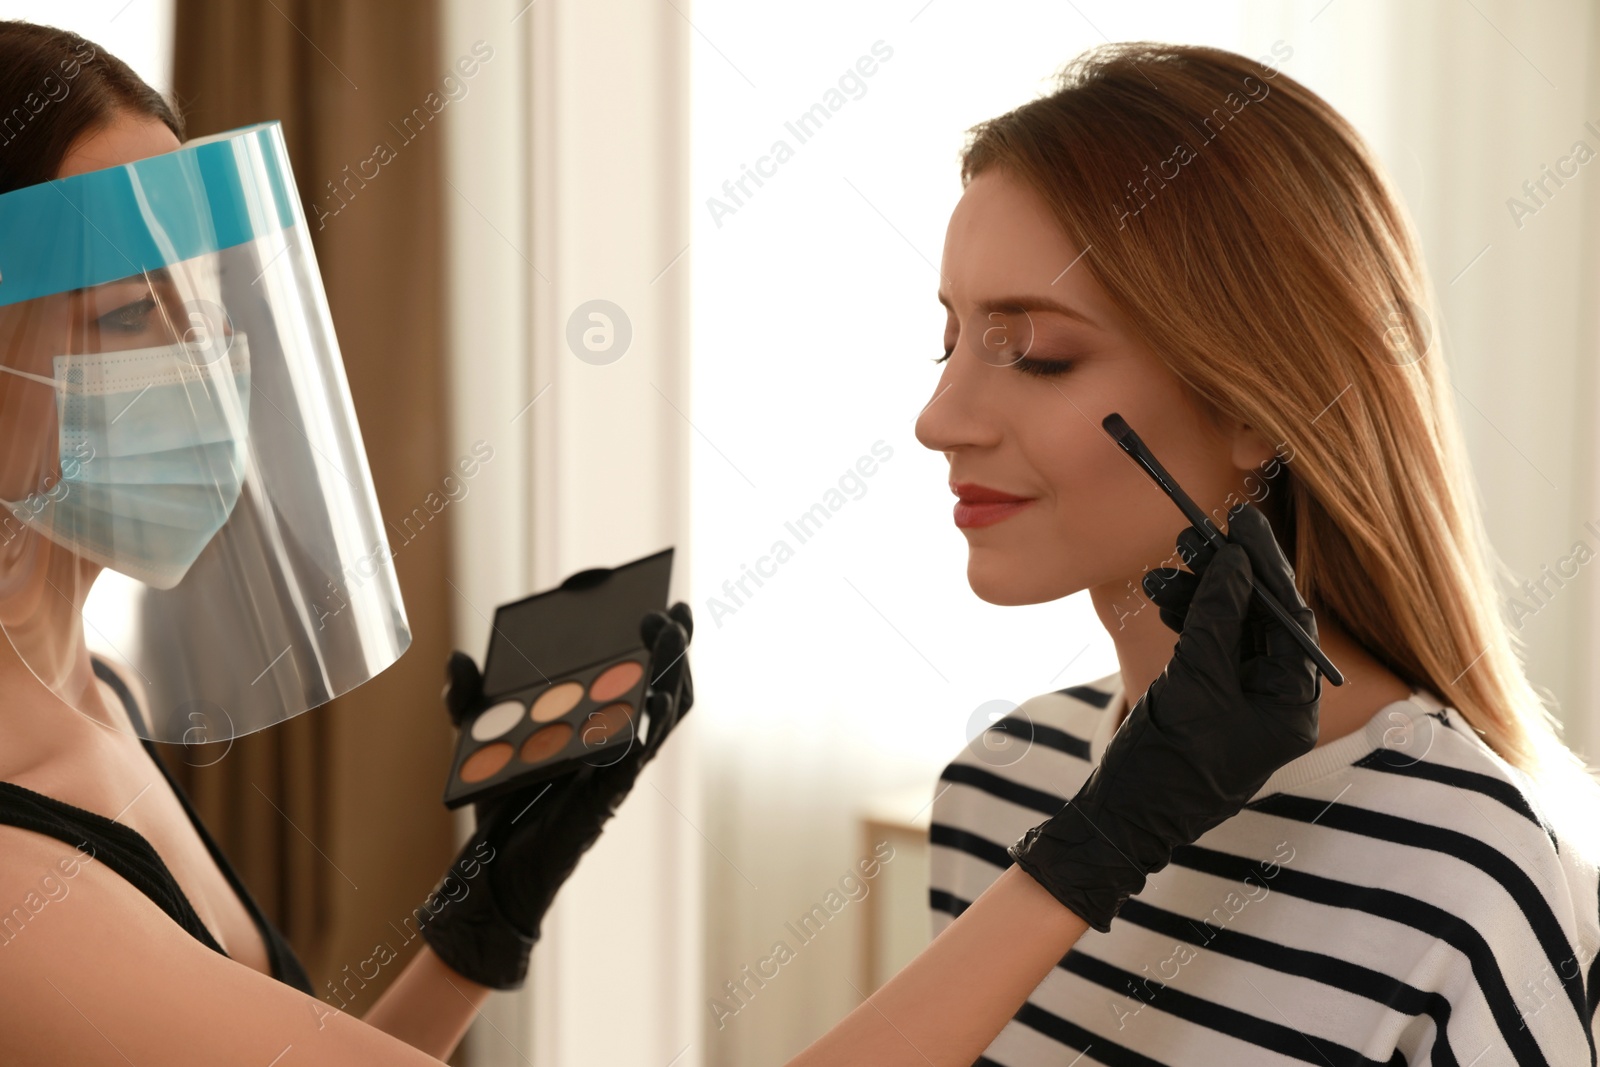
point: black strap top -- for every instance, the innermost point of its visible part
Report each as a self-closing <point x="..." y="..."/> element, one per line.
<point x="127" y="852"/>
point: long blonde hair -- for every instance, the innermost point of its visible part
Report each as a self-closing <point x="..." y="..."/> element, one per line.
<point x="1244" y="228"/>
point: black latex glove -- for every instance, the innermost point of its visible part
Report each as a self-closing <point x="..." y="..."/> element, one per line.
<point x="484" y="917"/>
<point x="1237" y="701"/>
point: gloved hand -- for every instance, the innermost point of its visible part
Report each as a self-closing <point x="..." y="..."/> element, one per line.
<point x="484" y="917"/>
<point x="1237" y="701"/>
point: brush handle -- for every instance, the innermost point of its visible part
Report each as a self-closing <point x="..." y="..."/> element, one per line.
<point x="1324" y="664"/>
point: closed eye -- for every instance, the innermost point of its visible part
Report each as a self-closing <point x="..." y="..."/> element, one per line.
<point x="1038" y="368"/>
<point x="1043" y="368"/>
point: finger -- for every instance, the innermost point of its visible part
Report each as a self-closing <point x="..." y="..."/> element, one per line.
<point x="1283" y="673"/>
<point x="463" y="687"/>
<point x="1213" y="627"/>
<point x="1275" y="665"/>
<point x="1194" y="550"/>
<point x="668" y="656"/>
<point x="685" y="617"/>
<point x="1172" y="592"/>
<point x="650" y="627"/>
<point x="1172" y="589"/>
<point x="663" y="713"/>
<point x="1248" y="526"/>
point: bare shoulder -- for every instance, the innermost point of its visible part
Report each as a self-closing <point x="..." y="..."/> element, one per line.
<point x="92" y="972"/>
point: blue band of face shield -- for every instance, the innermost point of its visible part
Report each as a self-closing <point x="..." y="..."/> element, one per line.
<point x="211" y="194"/>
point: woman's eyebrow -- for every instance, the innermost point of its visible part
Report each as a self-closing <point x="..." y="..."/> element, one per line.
<point x="1027" y="303"/>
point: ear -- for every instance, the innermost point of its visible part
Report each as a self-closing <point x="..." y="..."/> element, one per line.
<point x="1251" y="450"/>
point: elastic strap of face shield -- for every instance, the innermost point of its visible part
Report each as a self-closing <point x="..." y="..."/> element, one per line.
<point x="41" y="379"/>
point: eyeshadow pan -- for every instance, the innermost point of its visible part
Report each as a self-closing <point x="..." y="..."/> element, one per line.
<point x="546" y="742"/>
<point x="601" y="726"/>
<point x="556" y="702"/>
<point x="486" y="762"/>
<point x="615" y="681"/>
<point x="497" y="720"/>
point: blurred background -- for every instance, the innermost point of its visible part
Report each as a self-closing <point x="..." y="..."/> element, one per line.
<point x="488" y="181"/>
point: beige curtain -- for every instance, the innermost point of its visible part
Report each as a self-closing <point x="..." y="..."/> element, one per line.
<point x="334" y="819"/>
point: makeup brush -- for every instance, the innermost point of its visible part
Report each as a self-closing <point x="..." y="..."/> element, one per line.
<point x="1129" y="442"/>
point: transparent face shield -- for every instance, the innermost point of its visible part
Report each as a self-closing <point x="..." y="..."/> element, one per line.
<point x="183" y="488"/>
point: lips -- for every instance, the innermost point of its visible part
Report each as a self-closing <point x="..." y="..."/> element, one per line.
<point x="979" y="505"/>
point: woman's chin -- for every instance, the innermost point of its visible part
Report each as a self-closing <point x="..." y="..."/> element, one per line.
<point x="1011" y="580"/>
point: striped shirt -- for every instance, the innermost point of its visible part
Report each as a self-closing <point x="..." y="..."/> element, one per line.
<point x="1390" y="897"/>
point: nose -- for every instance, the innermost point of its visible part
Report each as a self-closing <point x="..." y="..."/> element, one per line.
<point x="960" y="414"/>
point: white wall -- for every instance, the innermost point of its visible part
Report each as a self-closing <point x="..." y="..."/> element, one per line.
<point x="138" y="32"/>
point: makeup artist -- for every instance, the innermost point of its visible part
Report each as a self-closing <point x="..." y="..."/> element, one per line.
<point x="166" y="361"/>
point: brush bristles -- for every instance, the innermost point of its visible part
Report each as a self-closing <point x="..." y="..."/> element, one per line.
<point x="1116" y="427"/>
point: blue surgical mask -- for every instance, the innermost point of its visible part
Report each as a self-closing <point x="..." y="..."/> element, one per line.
<point x="152" y="448"/>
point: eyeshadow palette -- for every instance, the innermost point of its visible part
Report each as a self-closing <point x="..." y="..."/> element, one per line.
<point x="563" y="681"/>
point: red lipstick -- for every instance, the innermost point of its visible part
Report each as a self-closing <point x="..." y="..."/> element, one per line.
<point x="978" y="505"/>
